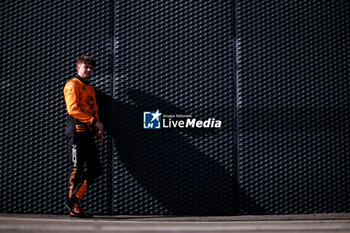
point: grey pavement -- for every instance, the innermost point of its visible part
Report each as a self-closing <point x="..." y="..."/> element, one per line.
<point x="30" y="223"/>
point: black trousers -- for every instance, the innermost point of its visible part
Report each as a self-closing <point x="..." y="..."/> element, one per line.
<point x="84" y="158"/>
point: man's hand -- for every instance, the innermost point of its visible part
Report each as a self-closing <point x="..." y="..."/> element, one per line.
<point x="99" y="133"/>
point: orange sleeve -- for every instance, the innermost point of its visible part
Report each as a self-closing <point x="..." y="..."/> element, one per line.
<point x="71" y="97"/>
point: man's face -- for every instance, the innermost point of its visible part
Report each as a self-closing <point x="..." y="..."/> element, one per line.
<point x="84" y="70"/>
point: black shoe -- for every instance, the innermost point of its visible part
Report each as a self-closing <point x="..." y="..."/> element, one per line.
<point x="75" y="209"/>
<point x="83" y="214"/>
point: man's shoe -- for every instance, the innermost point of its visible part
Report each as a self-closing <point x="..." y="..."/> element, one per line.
<point x="76" y="210"/>
<point x="80" y="215"/>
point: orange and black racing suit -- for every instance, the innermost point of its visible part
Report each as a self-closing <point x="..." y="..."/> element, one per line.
<point x="82" y="109"/>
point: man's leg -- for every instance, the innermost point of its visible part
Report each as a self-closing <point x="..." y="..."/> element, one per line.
<point x="77" y="180"/>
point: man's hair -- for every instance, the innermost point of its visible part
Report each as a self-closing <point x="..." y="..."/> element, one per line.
<point x="86" y="60"/>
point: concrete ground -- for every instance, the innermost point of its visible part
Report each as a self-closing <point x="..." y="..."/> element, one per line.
<point x="10" y="223"/>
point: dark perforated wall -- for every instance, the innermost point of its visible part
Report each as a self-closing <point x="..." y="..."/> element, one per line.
<point x="293" y="106"/>
<point x="178" y="57"/>
<point x="275" y="73"/>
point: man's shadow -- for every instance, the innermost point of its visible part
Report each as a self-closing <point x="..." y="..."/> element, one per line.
<point x="182" y="177"/>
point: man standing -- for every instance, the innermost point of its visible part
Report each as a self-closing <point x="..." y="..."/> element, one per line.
<point x="82" y="124"/>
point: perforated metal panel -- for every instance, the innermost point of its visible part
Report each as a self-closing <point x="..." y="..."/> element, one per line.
<point x="275" y="73"/>
<point x="293" y="106"/>
<point x="40" y="41"/>
<point x="178" y="57"/>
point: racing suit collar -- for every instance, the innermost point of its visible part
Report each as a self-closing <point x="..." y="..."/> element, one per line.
<point x="86" y="82"/>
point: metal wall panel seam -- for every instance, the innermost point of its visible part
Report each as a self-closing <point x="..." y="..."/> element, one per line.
<point x="236" y="106"/>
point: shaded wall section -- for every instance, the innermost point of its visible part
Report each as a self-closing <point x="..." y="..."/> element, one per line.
<point x="178" y="57"/>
